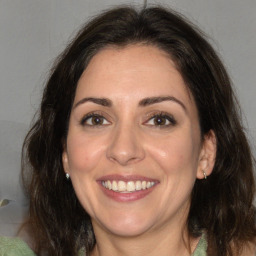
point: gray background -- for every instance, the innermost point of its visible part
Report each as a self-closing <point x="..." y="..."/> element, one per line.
<point x="34" y="32"/>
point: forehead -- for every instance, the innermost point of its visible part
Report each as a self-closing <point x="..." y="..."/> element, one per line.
<point x="132" y="70"/>
<point x="134" y="58"/>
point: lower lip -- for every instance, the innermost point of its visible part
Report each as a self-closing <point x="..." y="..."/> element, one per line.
<point x="127" y="197"/>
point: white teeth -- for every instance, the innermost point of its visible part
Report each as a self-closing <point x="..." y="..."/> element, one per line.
<point x="144" y="184"/>
<point x="138" y="185"/>
<point x="114" y="186"/>
<point x="109" y="184"/>
<point x="121" y="186"/>
<point x="130" y="186"/>
<point x="127" y="187"/>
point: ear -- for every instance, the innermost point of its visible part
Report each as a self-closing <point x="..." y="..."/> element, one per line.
<point x="207" y="155"/>
<point x="65" y="160"/>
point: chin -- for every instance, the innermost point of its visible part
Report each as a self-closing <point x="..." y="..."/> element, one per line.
<point x="128" y="226"/>
<point x="128" y="230"/>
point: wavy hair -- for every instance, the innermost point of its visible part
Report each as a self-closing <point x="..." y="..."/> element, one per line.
<point x="221" y="206"/>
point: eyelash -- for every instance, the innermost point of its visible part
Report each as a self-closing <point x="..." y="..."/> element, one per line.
<point x="93" y="115"/>
<point x="161" y="115"/>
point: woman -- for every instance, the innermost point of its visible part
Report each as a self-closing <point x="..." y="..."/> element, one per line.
<point x="138" y="148"/>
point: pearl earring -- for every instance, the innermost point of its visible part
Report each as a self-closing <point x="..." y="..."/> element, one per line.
<point x="67" y="176"/>
<point x="205" y="176"/>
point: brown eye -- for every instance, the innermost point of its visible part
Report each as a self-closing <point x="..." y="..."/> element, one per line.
<point x="94" y="120"/>
<point x="160" y="120"/>
<point x="97" y="120"/>
<point x="163" y="120"/>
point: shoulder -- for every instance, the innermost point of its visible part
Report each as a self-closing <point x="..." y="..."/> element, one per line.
<point x="14" y="247"/>
<point x="201" y="247"/>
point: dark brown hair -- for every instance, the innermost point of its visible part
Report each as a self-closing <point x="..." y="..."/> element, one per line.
<point x="221" y="206"/>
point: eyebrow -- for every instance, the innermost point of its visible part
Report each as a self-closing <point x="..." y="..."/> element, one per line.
<point x="142" y="103"/>
<point x="100" y="101"/>
<point x="153" y="100"/>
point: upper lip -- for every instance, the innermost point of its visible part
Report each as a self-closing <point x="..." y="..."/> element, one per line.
<point x="126" y="178"/>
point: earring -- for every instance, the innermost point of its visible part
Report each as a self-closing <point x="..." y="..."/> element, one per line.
<point x="205" y="176"/>
<point x="67" y="176"/>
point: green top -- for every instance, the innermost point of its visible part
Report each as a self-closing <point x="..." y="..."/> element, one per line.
<point x="201" y="247"/>
<point x="16" y="247"/>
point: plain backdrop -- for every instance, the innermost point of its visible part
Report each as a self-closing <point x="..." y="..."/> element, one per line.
<point x="34" y="32"/>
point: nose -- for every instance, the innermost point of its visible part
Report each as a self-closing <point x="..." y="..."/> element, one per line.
<point x="125" y="147"/>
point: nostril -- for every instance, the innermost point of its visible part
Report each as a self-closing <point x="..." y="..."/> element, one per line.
<point x="125" y="147"/>
<point x="125" y="159"/>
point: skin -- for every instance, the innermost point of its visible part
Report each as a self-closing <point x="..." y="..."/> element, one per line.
<point x="127" y="141"/>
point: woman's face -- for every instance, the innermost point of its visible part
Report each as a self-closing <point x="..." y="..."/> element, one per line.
<point x="134" y="149"/>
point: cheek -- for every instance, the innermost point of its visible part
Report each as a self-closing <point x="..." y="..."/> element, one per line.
<point x="84" y="153"/>
<point x="84" y="156"/>
<point x="176" y="155"/>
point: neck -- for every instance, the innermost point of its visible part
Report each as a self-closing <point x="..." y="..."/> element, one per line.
<point x="150" y="244"/>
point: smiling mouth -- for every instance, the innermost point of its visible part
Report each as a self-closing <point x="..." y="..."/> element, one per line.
<point x="127" y="187"/>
